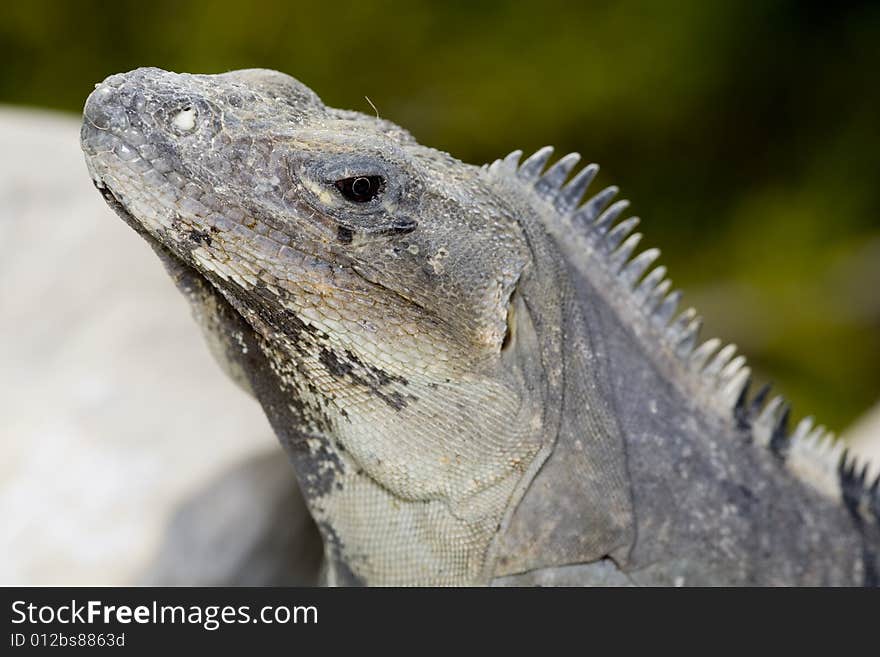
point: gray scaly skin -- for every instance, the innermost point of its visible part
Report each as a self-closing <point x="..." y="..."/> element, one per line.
<point x="476" y="380"/>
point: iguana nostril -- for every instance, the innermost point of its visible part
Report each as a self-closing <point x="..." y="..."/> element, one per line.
<point x="105" y="109"/>
<point x="96" y="108"/>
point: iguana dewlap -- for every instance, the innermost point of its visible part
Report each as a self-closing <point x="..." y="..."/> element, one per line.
<point x="476" y="379"/>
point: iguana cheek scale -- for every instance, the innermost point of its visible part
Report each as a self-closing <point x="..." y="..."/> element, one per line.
<point x="476" y="377"/>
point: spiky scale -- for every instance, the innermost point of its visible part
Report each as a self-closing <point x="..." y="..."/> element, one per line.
<point x="803" y="434"/>
<point x="657" y="296"/>
<point x="588" y="212"/>
<point x="667" y="309"/>
<point x="675" y="330"/>
<point x="732" y="391"/>
<point x="688" y="340"/>
<point x="713" y="369"/>
<point x="810" y="440"/>
<point x="817" y="435"/>
<point x="762" y="427"/>
<point x="607" y="218"/>
<point x="637" y="266"/>
<point x="511" y="162"/>
<point x="852" y="484"/>
<point x="831" y="445"/>
<point x="874" y="492"/>
<point x="803" y="429"/>
<point x="740" y="408"/>
<point x="757" y="402"/>
<point x="548" y="185"/>
<point x="619" y="258"/>
<point x="732" y="368"/>
<point x="619" y="232"/>
<point x="779" y="438"/>
<point x="570" y="196"/>
<point x="649" y="284"/>
<point x="534" y="165"/>
<point x="703" y="353"/>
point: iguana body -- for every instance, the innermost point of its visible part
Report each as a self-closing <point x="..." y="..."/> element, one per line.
<point x="475" y="380"/>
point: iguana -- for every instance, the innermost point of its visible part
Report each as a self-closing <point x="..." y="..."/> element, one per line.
<point x="476" y="379"/>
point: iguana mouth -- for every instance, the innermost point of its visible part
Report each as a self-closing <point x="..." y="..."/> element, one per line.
<point x="119" y="208"/>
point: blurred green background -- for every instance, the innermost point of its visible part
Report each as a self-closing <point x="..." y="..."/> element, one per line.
<point x="746" y="134"/>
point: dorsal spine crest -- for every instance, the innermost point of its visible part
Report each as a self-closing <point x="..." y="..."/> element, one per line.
<point x="809" y="452"/>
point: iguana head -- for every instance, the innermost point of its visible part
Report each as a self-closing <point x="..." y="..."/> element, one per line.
<point x="364" y="234"/>
<point x="377" y="276"/>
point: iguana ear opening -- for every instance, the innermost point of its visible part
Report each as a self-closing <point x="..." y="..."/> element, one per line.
<point x="519" y="349"/>
<point x="510" y="333"/>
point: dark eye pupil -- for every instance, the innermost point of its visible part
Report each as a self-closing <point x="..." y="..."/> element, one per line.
<point x="360" y="186"/>
<point x="360" y="189"/>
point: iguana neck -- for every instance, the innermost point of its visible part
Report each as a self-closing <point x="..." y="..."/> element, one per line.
<point x="710" y="506"/>
<point x="429" y="519"/>
<point x="554" y="523"/>
<point x="696" y="500"/>
<point x="533" y="427"/>
<point x="600" y="418"/>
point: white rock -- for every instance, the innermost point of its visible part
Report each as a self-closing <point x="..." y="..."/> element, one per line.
<point x="111" y="408"/>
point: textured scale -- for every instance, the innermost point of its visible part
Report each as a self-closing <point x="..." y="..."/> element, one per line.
<point x="571" y="195"/>
<point x="552" y="180"/>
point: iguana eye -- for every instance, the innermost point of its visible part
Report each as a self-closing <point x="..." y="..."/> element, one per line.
<point x="360" y="189"/>
<point x="185" y="119"/>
